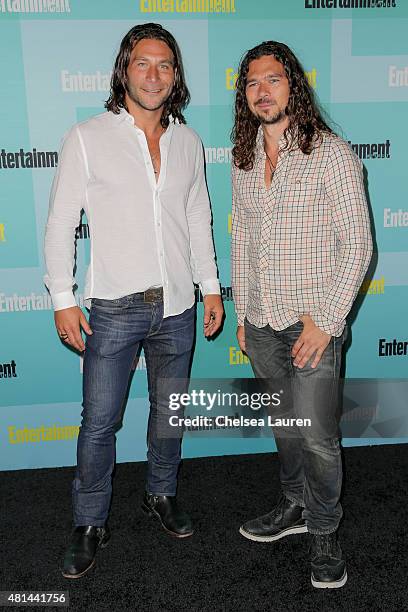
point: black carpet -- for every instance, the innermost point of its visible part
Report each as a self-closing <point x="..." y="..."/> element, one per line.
<point x="145" y="569"/>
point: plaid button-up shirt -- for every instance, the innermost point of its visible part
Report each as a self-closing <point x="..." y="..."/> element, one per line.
<point x="304" y="245"/>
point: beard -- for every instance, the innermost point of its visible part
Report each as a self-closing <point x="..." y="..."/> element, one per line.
<point x="272" y="119"/>
<point x="263" y="115"/>
<point x="146" y="104"/>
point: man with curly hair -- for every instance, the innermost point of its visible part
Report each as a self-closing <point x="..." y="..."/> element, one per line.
<point x="301" y="245"/>
<point x="138" y="171"/>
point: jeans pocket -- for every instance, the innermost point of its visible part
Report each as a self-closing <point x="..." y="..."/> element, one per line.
<point x="113" y="307"/>
<point x="102" y="303"/>
<point x="291" y="333"/>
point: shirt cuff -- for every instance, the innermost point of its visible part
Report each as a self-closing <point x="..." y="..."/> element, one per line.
<point x="63" y="300"/>
<point x="333" y="328"/>
<point x="210" y="285"/>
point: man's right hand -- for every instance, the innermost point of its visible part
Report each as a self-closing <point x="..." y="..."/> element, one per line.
<point x="68" y="322"/>
<point x="241" y="337"/>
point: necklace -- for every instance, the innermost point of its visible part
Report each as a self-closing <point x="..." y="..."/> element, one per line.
<point x="153" y="158"/>
<point x="271" y="166"/>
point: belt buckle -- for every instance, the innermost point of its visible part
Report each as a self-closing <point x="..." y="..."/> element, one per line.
<point x="154" y="294"/>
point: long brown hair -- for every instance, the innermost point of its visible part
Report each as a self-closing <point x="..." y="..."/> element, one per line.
<point x="306" y="122"/>
<point x="179" y="97"/>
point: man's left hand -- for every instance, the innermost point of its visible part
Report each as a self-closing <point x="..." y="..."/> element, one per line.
<point x="213" y="313"/>
<point x="312" y="342"/>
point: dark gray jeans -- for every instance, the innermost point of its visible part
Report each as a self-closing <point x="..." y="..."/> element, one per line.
<point x="310" y="458"/>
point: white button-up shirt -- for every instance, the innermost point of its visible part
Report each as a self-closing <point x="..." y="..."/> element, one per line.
<point x="143" y="233"/>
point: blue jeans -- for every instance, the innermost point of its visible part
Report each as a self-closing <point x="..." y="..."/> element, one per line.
<point x="310" y="457"/>
<point x="119" y="328"/>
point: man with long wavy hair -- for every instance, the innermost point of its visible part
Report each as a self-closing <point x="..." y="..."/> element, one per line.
<point x="138" y="172"/>
<point x="301" y="245"/>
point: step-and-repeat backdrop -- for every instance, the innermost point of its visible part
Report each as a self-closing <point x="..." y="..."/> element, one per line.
<point x="56" y="61"/>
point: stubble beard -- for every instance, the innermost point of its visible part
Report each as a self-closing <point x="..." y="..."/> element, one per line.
<point x="137" y="100"/>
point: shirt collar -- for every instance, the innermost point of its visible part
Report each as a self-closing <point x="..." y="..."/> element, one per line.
<point x="259" y="143"/>
<point x="123" y="115"/>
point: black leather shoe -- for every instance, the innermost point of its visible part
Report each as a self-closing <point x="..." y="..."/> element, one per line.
<point x="82" y="549"/>
<point x="164" y="507"/>
<point x="328" y="565"/>
<point x="283" y="520"/>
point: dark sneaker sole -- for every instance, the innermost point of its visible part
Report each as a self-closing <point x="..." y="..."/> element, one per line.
<point x="156" y="515"/>
<point x="273" y="538"/>
<point x="103" y="544"/>
<point x="336" y="584"/>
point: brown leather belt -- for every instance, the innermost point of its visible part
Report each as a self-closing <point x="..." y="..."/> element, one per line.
<point x="153" y="294"/>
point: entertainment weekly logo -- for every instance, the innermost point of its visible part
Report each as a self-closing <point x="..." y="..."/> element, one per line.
<point x="35" y="6"/>
<point x="231" y="77"/>
<point x="30" y="302"/>
<point x="27" y="159"/>
<point x="226" y="294"/>
<point x="392" y="348"/>
<point x="372" y="150"/>
<point x="8" y="370"/>
<point x="395" y="218"/>
<point x="397" y="76"/>
<point x="51" y="433"/>
<point x="187" y="6"/>
<point x="350" y="4"/>
<point x="74" y="82"/>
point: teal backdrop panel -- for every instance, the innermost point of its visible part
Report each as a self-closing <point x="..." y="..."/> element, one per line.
<point x="57" y="62"/>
